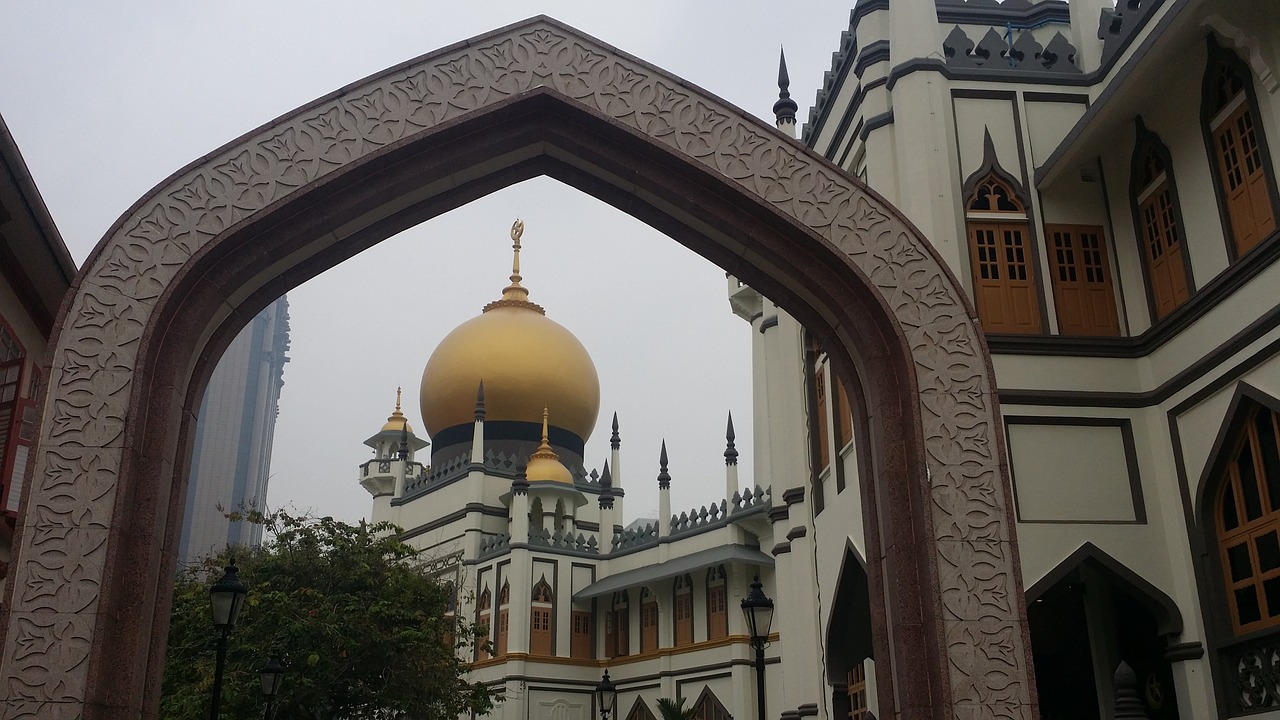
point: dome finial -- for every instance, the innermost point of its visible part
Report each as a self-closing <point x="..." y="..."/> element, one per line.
<point x="544" y="463"/>
<point x="398" y="391"/>
<point x="544" y="450"/>
<point x="515" y="294"/>
<point x="664" y="478"/>
<point x="397" y="420"/>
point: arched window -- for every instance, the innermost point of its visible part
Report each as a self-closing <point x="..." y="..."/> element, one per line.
<point x="709" y="707"/>
<point x="504" y="603"/>
<point x="484" y="608"/>
<point x="540" y="623"/>
<point x="1237" y="150"/>
<point x="1158" y="222"/>
<point x="1004" y="276"/>
<point x="717" y="604"/>
<point x="683" y="606"/>
<point x="617" y="630"/>
<point x="1247" y="516"/>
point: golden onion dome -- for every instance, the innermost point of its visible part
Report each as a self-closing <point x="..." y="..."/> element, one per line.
<point x="544" y="464"/>
<point x="397" y="421"/>
<point x="526" y="360"/>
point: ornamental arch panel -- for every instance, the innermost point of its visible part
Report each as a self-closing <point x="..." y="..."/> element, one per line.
<point x="191" y="263"/>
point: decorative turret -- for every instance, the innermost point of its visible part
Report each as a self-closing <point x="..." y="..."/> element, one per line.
<point x="730" y="462"/>
<point x="784" y="110"/>
<point x="615" y="445"/>
<point x="544" y="463"/>
<point x="607" y="516"/>
<point x="664" y="494"/>
<point x="477" y="433"/>
<point x="395" y="433"/>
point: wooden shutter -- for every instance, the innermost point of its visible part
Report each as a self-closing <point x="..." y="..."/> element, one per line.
<point x="1248" y="524"/>
<point x="717" y="617"/>
<point x="648" y="626"/>
<point x="1082" y="288"/>
<point x="482" y="652"/>
<point x="10" y="418"/>
<point x="1166" y="267"/>
<point x="1004" y="282"/>
<point x="580" y="640"/>
<point x="820" y="412"/>
<point x="502" y="632"/>
<point x="540" y="630"/>
<point x="857" y="689"/>
<point x="1242" y="178"/>
<point x="684" y="618"/>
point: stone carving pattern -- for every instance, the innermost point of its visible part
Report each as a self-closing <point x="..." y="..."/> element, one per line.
<point x="1257" y="678"/>
<point x="57" y="582"/>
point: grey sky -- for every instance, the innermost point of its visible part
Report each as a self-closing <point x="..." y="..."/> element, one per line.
<point x="106" y="100"/>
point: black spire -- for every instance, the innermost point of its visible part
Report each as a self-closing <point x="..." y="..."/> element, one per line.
<point x="785" y="108"/>
<point x="606" y="488"/>
<point x="404" y="442"/>
<point x="615" y="440"/>
<point x="730" y="452"/>
<point x="664" y="480"/>
<point x="480" y="402"/>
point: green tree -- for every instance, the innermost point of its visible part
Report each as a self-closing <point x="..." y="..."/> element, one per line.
<point x="675" y="710"/>
<point x="363" y="630"/>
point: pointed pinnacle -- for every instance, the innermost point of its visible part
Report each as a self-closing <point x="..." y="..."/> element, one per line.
<point x="730" y="452"/>
<point x="664" y="479"/>
<point x="785" y="108"/>
<point x="606" y="477"/>
<point x="480" y="401"/>
<point x="615" y="440"/>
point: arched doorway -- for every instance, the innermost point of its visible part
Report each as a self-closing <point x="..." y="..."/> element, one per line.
<point x="193" y="261"/>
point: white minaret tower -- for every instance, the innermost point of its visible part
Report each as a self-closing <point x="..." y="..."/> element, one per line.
<point x="393" y="450"/>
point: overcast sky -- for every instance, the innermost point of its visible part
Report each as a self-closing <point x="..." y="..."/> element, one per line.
<point x="105" y="100"/>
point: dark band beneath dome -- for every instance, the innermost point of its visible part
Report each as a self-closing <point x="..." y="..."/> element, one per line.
<point x="511" y="430"/>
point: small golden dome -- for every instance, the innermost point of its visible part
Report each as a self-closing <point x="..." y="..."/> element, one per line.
<point x="397" y="421"/>
<point x="526" y="360"/>
<point x="544" y="464"/>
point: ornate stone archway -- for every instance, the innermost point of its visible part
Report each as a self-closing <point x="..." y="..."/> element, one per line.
<point x="191" y="262"/>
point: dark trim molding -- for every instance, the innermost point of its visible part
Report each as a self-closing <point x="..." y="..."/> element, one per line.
<point x="455" y="516"/>
<point x="768" y="322"/>
<point x="797" y="532"/>
<point x="781" y="549"/>
<point x="875" y="122"/>
<point x="966" y="13"/>
<point x="1166" y="390"/>
<point x="1178" y="652"/>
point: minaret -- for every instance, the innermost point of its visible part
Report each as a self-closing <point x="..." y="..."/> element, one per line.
<point x="607" y="517"/>
<point x="392" y="465"/>
<point x="664" y="494"/>
<point x="730" y="463"/>
<point x="615" y="445"/>
<point x="520" y="568"/>
<point x="784" y="110"/>
<point x="477" y="434"/>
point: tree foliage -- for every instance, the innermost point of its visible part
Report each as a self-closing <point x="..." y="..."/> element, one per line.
<point x="363" y="630"/>
<point x="675" y="710"/>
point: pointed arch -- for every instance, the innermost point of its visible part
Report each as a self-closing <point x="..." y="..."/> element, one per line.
<point x="1157" y="223"/>
<point x="709" y="707"/>
<point x="1002" y="253"/>
<point x="1168" y="616"/>
<point x="484" y="618"/>
<point x="717" y="590"/>
<point x="191" y="262"/>
<point x="503" y="621"/>
<point x="1234" y="136"/>
<point x="640" y="711"/>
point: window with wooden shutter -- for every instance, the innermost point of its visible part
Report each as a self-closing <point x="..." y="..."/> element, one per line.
<point x="617" y="639"/>
<point x="1159" y="226"/>
<point x="1082" y="288"/>
<point x="648" y="622"/>
<point x="1234" y="139"/>
<point x="843" y="416"/>
<point x="540" y="625"/>
<point x="580" y="640"/>
<point x="504" y="600"/>
<point x="857" y="690"/>
<point x="1248" y="522"/>
<point x="12" y="357"/>
<point x="483" y="614"/>
<point x="1004" y="277"/>
<point x="683" y="607"/>
<point x="717" y="604"/>
<point x="820" y="415"/>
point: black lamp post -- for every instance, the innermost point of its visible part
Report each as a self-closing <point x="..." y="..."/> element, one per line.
<point x="606" y="696"/>
<point x="758" y="610"/>
<point x="227" y="597"/>
<point x="271" y="675"/>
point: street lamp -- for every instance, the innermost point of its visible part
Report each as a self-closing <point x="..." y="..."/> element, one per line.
<point x="271" y="675"/>
<point x="227" y="597"/>
<point x="758" y="610"/>
<point x="606" y="696"/>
